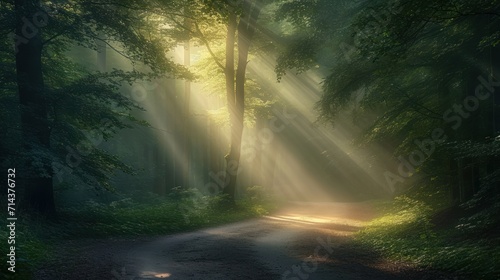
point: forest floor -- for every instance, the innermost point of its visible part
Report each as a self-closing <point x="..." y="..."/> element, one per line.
<point x="306" y="241"/>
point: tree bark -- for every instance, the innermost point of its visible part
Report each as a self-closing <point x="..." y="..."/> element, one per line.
<point x="229" y="187"/>
<point x="35" y="125"/>
<point x="186" y="110"/>
<point x="236" y="99"/>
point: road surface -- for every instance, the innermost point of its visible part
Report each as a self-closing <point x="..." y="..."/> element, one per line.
<point x="306" y="241"/>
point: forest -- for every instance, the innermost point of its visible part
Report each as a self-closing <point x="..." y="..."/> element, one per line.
<point x="250" y="139"/>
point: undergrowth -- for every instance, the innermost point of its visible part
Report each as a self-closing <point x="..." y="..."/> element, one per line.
<point x="182" y="210"/>
<point x="405" y="233"/>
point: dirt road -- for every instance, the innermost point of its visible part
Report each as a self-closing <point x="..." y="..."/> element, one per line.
<point x="306" y="241"/>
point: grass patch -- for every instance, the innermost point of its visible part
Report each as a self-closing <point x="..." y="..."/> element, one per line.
<point x="181" y="211"/>
<point x="30" y="249"/>
<point x="99" y="221"/>
<point x="404" y="233"/>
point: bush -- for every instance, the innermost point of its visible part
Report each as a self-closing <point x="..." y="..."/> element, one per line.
<point x="259" y="194"/>
<point x="405" y="233"/>
<point x="182" y="210"/>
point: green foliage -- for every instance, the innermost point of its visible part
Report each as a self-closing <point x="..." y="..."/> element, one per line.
<point x="399" y="68"/>
<point x="404" y="233"/>
<point x="181" y="194"/>
<point x="408" y="218"/>
<point x="85" y="107"/>
<point x="128" y="218"/>
<point x="183" y="210"/>
<point x="258" y="100"/>
<point x="87" y="23"/>
<point x="484" y="206"/>
<point x="300" y="56"/>
<point x="399" y="55"/>
<point x="259" y="194"/>
<point x="486" y="210"/>
<point x="261" y="200"/>
<point x="309" y="28"/>
<point x="31" y="249"/>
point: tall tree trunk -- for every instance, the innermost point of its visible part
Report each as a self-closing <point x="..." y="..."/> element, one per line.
<point x="36" y="130"/>
<point x="231" y="103"/>
<point x="187" y="101"/>
<point x="236" y="99"/>
<point x="258" y="162"/>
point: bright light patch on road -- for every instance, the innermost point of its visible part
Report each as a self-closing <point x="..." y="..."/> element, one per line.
<point x="155" y="275"/>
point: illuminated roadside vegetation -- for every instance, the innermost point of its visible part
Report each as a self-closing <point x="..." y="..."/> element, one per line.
<point x="107" y="107"/>
<point x="402" y="70"/>
<point x="409" y="231"/>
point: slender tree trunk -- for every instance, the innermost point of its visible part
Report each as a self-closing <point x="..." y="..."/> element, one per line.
<point x="35" y="125"/>
<point x="258" y="162"/>
<point x="229" y="188"/>
<point x="187" y="102"/>
<point x="236" y="99"/>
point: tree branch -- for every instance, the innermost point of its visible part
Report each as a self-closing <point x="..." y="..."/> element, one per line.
<point x="113" y="48"/>
<point x="205" y="41"/>
<point x="53" y="37"/>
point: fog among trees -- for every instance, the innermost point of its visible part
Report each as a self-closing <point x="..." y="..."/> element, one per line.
<point x="147" y="118"/>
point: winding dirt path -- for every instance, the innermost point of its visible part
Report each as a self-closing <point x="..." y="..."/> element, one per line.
<point x="305" y="241"/>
